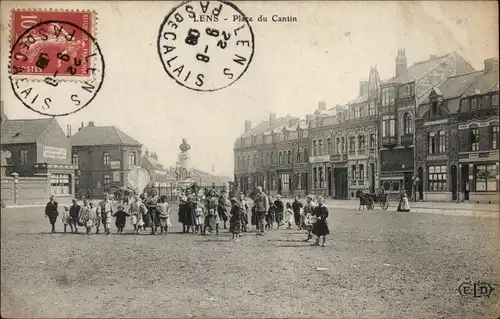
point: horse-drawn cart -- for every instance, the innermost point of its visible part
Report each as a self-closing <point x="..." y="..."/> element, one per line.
<point x="369" y="200"/>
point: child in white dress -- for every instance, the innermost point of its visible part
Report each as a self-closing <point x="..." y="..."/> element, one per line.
<point x="289" y="217"/>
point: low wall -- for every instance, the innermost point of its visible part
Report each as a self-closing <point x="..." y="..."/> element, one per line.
<point x="484" y="197"/>
<point x="438" y="196"/>
<point x="27" y="191"/>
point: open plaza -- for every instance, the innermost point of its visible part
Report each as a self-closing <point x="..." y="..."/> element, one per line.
<point x="377" y="264"/>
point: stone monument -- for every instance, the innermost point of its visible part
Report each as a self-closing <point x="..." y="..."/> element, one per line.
<point x="183" y="169"/>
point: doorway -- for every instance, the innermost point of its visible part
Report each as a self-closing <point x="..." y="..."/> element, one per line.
<point x="420" y="185"/>
<point x="454" y="182"/>
<point x="465" y="181"/>
<point x="340" y="182"/>
<point x="372" y="178"/>
<point x="329" y="181"/>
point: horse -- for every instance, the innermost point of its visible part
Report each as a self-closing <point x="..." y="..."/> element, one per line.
<point x="365" y="201"/>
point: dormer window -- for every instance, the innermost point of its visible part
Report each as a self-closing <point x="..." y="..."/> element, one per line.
<point x="465" y="105"/>
<point x="434" y="108"/>
<point x="407" y="124"/>
<point x="473" y="104"/>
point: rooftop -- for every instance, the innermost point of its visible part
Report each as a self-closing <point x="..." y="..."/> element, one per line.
<point x="23" y="131"/>
<point x="101" y="135"/>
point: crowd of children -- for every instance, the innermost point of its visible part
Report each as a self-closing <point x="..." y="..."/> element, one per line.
<point x="199" y="214"/>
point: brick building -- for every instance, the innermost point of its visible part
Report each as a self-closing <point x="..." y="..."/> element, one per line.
<point x="37" y="149"/>
<point x="103" y="157"/>
<point x="398" y="102"/>
<point x="457" y="139"/>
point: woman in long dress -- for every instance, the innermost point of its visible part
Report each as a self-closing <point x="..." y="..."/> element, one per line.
<point x="51" y="212"/>
<point x="320" y="227"/>
<point x="404" y="203"/>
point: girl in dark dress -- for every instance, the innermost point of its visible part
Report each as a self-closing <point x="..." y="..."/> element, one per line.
<point x="271" y="216"/>
<point x="279" y="212"/>
<point x="51" y="212"/>
<point x="121" y="218"/>
<point x="235" y="220"/>
<point x="320" y="227"/>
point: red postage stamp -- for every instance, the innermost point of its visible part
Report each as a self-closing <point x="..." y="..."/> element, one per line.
<point x="55" y="39"/>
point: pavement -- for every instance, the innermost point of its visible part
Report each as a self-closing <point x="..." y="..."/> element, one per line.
<point x="377" y="264"/>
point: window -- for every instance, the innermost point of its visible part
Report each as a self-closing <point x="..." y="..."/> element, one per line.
<point x="407" y="124"/>
<point x="486" y="102"/>
<point x="321" y="178"/>
<point x="75" y="160"/>
<point x="285" y="180"/>
<point x="371" y="109"/>
<point x="437" y="178"/>
<point x="389" y="128"/>
<point x="465" y="105"/>
<point x="442" y="141"/>
<point x="329" y="145"/>
<point x="361" y="142"/>
<point x="132" y="158"/>
<point x="280" y="158"/>
<point x="272" y="158"/>
<point x="298" y="182"/>
<point x="315" y="177"/>
<point x="320" y="148"/>
<point x="387" y="97"/>
<point x="306" y="155"/>
<point x="395" y="186"/>
<point x="60" y="184"/>
<point x="387" y="186"/>
<point x="261" y="158"/>
<point x="299" y="155"/>
<point x="474" y="139"/>
<point x="289" y="157"/>
<point x="315" y="148"/>
<point x="342" y="141"/>
<point x="354" y="173"/>
<point x="494" y="137"/>
<point x="23" y="157"/>
<point x="361" y="171"/>
<point x="77" y="182"/>
<point x="352" y="143"/>
<point x="339" y="146"/>
<point x="473" y="104"/>
<point x="432" y="142"/>
<point x="494" y="100"/>
<point x="434" y="108"/>
<point x="106" y="181"/>
<point x="357" y="112"/>
<point x="105" y="158"/>
<point x="372" y="140"/>
<point x="486" y="178"/>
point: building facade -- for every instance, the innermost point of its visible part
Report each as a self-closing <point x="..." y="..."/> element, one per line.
<point x="399" y="98"/>
<point x="457" y="139"/>
<point x="103" y="157"/>
<point x="38" y="148"/>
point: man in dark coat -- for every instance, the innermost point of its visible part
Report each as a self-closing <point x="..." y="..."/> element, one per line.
<point x="296" y="206"/>
<point x="74" y="215"/>
<point x="51" y="212"/>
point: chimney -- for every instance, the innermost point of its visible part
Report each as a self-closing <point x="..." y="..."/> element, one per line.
<point x="3" y="117"/>
<point x="491" y="64"/>
<point x="68" y="130"/>
<point x="82" y="126"/>
<point x="321" y="106"/>
<point x="272" y="120"/>
<point x="432" y="57"/>
<point x="400" y="62"/>
<point x="91" y="124"/>
<point x="309" y="117"/>
<point x="248" y="126"/>
<point x="363" y="88"/>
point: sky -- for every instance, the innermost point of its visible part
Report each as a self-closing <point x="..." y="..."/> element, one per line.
<point x="322" y="57"/>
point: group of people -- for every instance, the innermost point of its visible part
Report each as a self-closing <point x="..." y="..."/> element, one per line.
<point x="198" y="213"/>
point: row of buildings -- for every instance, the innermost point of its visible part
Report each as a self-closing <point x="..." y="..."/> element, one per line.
<point x="39" y="159"/>
<point x="431" y="130"/>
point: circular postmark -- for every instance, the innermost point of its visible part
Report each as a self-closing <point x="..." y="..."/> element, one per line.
<point x="205" y="46"/>
<point x="56" y="68"/>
